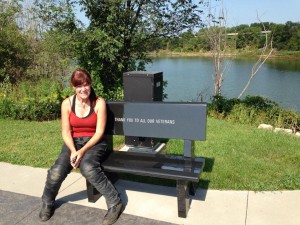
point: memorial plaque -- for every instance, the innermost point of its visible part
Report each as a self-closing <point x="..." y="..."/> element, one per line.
<point x="157" y="119"/>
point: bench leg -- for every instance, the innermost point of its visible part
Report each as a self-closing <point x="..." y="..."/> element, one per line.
<point x="192" y="188"/>
<point x="92" y="193"/>
<point x="183" y="198"/>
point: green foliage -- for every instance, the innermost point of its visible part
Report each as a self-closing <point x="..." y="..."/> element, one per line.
<point x="115" y="41"/>
<point x="29" y="50"/>
<point x="221" y="105"/>
<point x="119" y="34"/>
<point x="258" y="102"/>
<point x="99" y="54"/>
<point x="57" y="14"/>
<point x="285" y="119"/>
<point x="38" y="110"/>
<point x="41" y="100"/>
<point x="244" y="114"/>
<point x="54" y="52"/>
<point x="249" y="36"/>
<point x="253" y="110"/>
<point x="33" y="101"/>
<point x="8" y="109"/>
<point x="15" y="53"/>
<point x="285" y="37"/>
<point x="272" y="115"/>
<point x="30" y="109"/>
<point x="53" y="56"/>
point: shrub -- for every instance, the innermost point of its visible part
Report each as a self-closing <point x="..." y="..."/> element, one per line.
<point x="259" y="102"/>
<point x="40" y="101"/>
<point x="287" y="119"/>
<point x="8" y="109"/>
<point x="30" y="109"/>
<point x="243" y="114"/>
<point x="254" y="110"/>
<point x="221" y="105"/>
<point x="33" y="101"/>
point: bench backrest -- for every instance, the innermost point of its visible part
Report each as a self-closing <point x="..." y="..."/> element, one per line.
<point x="157" y="120"/>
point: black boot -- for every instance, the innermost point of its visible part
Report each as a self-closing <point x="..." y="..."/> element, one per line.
<point x="46" y="212"/>
<point x="113" y="214"/>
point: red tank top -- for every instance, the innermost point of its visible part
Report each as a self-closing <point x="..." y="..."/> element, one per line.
<point x="82" y="127"/>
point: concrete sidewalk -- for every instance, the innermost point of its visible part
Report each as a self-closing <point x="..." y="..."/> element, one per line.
<point x="22" y="186"/>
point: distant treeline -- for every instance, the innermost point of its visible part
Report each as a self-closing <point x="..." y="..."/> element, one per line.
<point x="284" y="37"/>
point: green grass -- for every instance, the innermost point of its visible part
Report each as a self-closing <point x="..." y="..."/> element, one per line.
<point x="246" y="158"/>
<point x="288" y="53"/>
<point x="238" y="157"/>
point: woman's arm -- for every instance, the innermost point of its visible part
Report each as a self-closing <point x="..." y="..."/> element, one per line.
<point x="100" y="110"/>
<point x="65" y="125"/>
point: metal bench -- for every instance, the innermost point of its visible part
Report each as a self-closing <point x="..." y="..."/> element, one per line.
<point x="185" y="121"/>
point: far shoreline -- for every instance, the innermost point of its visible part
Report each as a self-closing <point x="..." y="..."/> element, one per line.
<point x="227" y="55"/>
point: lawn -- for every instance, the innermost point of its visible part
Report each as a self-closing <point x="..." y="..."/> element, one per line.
<point x="238" y="157"/>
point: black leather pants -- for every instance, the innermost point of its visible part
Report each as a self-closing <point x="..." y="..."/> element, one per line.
<point x="90" y="167"/>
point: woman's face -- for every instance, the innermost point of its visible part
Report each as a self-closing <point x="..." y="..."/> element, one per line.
<point x="83" y="91"/>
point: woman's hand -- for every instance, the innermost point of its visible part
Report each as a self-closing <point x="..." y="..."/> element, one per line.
<point x="75" y="159"/>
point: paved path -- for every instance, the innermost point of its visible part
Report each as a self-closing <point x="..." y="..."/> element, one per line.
<point x="22" y="186"/>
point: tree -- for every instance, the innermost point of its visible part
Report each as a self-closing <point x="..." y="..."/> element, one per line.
<point x="294" y="36"/>
<point x="119" y="32"/>
<point x="14" y="46"/>
<point x="248" y="38"/>
<point x="56" y="41"/>
<point x="217" y="35"/>
<point x="116" y="39"/>
<point x="188" y="41"/>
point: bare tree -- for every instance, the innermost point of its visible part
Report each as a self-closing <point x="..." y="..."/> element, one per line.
<point x="217" y="35"/>
<point x="265" y="54"/>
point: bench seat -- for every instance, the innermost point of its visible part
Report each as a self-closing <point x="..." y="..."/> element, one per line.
<point x="155" y="165"/>
<point x="184" y="170"/>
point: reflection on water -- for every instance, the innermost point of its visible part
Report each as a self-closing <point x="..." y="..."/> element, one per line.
<point x="191" y="79"/>
<point x="284" y="65"/>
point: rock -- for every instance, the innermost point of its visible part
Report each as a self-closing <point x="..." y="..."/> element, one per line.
<point x="289" y="131"/>
<point x="265" y="126"/>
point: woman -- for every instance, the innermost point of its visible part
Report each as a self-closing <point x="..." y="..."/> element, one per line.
<point x="83" y="118"/>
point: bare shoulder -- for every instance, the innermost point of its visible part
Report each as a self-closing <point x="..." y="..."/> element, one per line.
<point x="100" y="103"/>
<point x="67" y="102"/>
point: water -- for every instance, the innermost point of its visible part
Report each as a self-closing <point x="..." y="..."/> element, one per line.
<point x="191" y="79"/>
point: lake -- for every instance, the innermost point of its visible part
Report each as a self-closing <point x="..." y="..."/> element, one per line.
<point x="191" y="79"/>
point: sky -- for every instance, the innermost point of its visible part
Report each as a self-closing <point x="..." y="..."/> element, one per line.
<point x="246" y="11"/>
<point x="276" y="11"/>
